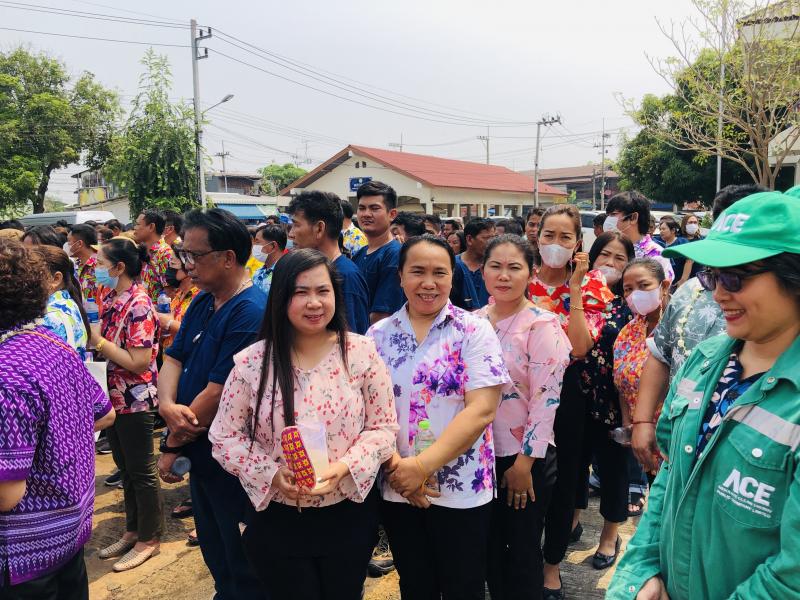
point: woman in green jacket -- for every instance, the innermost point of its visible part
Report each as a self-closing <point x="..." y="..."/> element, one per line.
<point x="723" y="517"/>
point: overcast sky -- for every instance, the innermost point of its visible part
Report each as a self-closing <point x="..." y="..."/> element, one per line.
<point x="451" y="60"/>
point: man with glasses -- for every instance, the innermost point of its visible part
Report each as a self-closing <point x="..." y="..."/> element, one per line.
<point x="222" y="320"/>
<point x="691" y="316"/>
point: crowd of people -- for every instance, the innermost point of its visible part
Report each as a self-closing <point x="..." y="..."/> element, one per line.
<point x="452" y="387"/>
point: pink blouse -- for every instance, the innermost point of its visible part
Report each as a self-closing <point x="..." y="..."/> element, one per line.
<point x="356" y="405"/>
<point x="536" y="352"/>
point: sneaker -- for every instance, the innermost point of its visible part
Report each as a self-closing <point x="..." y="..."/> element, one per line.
<point x="103" y="447"/>
<point x="381" y="562"/>
<point x="114" y="480"/>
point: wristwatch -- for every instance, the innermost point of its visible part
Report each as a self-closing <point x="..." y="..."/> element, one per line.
<point x="164" y="449"/>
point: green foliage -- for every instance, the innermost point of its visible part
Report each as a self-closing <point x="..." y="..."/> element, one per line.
<point x="47" y="121"/>
<point x="276" y="177"/>
<point x="154" y="158"/>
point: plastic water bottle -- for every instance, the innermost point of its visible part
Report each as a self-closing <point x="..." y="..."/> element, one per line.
<point x="92" y="312"/>
<point x="622" y="435"/>
<point x="181" y="466"/>
<point x="422" y="441"/>
<point x="162" y="304"/>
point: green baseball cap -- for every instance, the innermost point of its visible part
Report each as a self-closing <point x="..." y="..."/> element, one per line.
<point x="756" y="227"/>
<point x="794" y="192"/>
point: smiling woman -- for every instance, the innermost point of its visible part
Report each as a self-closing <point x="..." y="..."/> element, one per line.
<point x="447" y="369"/>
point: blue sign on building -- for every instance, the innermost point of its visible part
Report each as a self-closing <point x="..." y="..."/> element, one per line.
<point x="357" y="182"/>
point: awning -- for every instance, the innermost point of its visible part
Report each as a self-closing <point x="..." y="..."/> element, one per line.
<point x="249" y="212"/>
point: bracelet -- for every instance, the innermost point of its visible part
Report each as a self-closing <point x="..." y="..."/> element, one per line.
<point x="643" y="422"/>
<point x="422" y="470"/>
<point x="169" y="326"/>
<point x="100" y="344"/>
<point x="574" y="307"/>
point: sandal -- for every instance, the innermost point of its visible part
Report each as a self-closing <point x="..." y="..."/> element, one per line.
<point x="183" y="510"/>
<point x="191" y="539"/>
<point x="636" y="499"/>
<point x="133" y="558"/>
<point x="116" y="549"/>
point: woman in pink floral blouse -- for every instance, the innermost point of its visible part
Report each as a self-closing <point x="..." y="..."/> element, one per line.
<point x="536" y="352"/>
<point x="307" y="370"/>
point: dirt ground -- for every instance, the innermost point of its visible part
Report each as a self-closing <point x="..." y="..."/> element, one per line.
<point x="179" y="573"/>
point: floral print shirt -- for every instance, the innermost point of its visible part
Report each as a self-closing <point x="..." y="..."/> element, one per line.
<point x="178" y="306"/>
<point x="461" y="353"/>
<point x="353" y="239"/>
<point x="597" y="371"/>
<point x="596" y="297"/>
<point x="536" y="352"/>
<point x="262" y="278"/>
<point x="630" y="352"/>
<point x="63" y="317"/>
<point x="647" y="248"/>
<point x="691" y="316"/>
<point x="87" y="279"/>
<point x="154" y="271"/>
<point x="354" y="402"/>
<point x="130" y="319"/>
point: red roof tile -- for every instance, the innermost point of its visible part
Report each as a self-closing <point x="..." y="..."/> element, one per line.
<point x="437" y="172"/>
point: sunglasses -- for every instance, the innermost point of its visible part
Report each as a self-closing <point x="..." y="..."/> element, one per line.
<point x="731" y="281"/>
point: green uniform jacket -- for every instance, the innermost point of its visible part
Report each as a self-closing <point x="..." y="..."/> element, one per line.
<point x="728" y="524"/>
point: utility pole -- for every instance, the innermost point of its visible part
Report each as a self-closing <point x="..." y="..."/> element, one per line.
<point x="547" y="121"/>
<point x="222" y="155"/>
<point x="198" y="117"/>
<point x="396" y="145"/>
<point x="594" y="188"/>
<point x="485" y="138"/>
<point x="721" y="92"/>
<point x="602" y="145"/>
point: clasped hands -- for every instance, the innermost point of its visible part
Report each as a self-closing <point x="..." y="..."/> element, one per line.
<point x="406" y="476"/>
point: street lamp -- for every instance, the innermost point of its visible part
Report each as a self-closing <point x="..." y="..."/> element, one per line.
<point x="198" y="143"/>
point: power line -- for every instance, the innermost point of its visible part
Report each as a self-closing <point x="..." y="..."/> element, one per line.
<point x="98" y="39"/>
<point x="39" y="8"/>
<point x="133" y="12"/>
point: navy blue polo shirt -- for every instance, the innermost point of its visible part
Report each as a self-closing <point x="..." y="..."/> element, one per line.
<point x="205" y="345"/>
<point x="356" y="294"/>
<point x="380" y="271"/>
<point x="481" y="293"/>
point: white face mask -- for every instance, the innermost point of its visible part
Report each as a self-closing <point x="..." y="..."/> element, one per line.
<point x="692" y="228"/>
<point x="610" y="224"/>
<point x="643" y="302"/>
<point x="66" y="248"/>
<point x="259" y="254"/>
<point x="611" y="274"/>
<point x="555" y="256"/>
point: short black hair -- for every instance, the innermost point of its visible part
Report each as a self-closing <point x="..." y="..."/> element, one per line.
<point x="434" y="220"/>
<point x="599" y="219"/>
<point x="114" y="224"/>
<point x="378" y="188"/>
<point x="154" y="217"/>
<point x="174" y="218"/>
<point x="534" y="212"/>
<point x="320" y="206"/>
<point x="412" y="223"/>
<point x="430" y="239"/>
<point x="46" y="235"/>
<point x="461" y="240"/>
<point x="86" y="233"/>
<point x="274" y="218"/>
<point x="476" y="225"/>
<point x="510" y="226"/>
<point x="671" y="223"/>
<point x="225" y="232"/>
<point x="632" y="202"/>
<point x="274" y="233"/>
<point x="456" y="225"/>
<point x="347" y="209"/>
<point x="12" y="224"/>
<point x="733" y="193"/>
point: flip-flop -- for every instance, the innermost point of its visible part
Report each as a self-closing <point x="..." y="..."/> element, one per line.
<point x="191" y="540"/>
<point x="636" y="499"/>
<point x="183" y="510"/>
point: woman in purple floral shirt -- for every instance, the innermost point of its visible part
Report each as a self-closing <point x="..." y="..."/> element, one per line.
<point x="447" y="368"/>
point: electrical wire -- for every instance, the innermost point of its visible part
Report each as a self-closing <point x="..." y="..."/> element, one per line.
<point x="39" y="8"/>
<point x="99" y="39"/>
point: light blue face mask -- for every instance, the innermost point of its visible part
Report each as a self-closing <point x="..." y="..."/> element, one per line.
<point x="289" y="244"/>
<point x="104" y="279"/>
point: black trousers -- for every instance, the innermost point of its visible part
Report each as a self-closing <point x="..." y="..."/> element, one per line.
<point x="568" y="432"/>
<point x="612" y="460"/>
<point x="70" y="582"/>
<point x="440" y="553"/>
<point x="316" y="554"/>
<point x="515" y="537"/>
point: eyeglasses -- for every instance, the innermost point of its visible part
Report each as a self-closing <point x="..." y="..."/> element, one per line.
<point x="731" y="281"/>
<point x="189" y="258"/>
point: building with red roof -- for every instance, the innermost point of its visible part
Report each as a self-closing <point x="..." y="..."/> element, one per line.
<point x="429" y="184"/>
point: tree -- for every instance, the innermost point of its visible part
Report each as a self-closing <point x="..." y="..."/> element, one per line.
<point x="48" y="121"/>
<point x="154" y="158"/>
<point x="276" y="177"/>
<point x="757" y="100"/>
<point x="662" y="172"/>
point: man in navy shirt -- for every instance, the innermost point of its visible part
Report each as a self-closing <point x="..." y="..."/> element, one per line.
<point x="316" y="223"/>
<point x="222" y="320"/>
<point x="478" y="233"/>
<point x="379" y="259"/>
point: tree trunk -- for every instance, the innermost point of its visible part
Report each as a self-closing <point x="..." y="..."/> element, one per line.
<point x="38" y="201"/>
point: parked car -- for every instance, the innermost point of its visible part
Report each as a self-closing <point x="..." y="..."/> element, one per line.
<point x="72" y="217"/>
